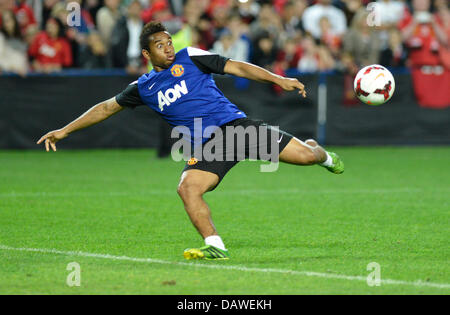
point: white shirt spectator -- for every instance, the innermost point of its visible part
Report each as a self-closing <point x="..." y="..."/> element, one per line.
<point x="308" y="64"/>
<point x="236" y="50"/>
<point x="13" y="55"/>
<point x="389" y="11"/>
<point x="134" y="30"/>
<point x="311" y="19"/>
<point x="106" y="20"/>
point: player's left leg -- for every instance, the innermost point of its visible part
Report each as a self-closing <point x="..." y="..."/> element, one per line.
<point x="309" y="153"/>
<point x="193" y="185"/>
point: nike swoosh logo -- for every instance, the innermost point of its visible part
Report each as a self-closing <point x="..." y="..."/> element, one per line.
<point x="151" y="86"/>
<point x="381" y="74"/>
<point x="279" y="140"/>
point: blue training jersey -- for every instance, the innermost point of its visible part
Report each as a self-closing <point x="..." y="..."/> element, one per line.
<point x="184" y="93"/>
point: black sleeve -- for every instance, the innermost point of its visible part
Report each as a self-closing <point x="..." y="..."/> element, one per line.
<point x="130" y="97"/>
<point x="207" y="62"/>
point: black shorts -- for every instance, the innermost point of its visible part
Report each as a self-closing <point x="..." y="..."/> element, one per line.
<point x="267" y="144"/>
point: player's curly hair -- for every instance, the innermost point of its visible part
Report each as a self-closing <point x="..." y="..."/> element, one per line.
<point x="148" y="30"/>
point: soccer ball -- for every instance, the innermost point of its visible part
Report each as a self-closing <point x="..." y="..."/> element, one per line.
<point x="374" y="85"/>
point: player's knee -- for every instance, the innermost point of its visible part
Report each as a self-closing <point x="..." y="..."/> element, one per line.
<point x="311" y="142"/>
<point x="189" y="188"/>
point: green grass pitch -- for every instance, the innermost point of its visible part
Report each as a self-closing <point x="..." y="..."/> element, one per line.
<point x="300" y="230"/>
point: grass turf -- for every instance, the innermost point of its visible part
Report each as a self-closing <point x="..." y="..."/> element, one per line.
<point x="391" y="206"/>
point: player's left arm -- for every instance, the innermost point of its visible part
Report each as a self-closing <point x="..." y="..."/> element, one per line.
<point x="256" y="73"/>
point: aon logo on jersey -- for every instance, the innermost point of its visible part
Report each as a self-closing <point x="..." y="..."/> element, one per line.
<point x="171" y="95"/>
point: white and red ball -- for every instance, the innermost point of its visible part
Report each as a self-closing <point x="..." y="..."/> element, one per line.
<point x="374" y="85"/>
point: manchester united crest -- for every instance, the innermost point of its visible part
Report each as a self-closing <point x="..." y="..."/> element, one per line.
<point x="192" y="161"/>
<point x="177" y="70"/>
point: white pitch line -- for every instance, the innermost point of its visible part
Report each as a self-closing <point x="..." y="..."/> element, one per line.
<point x="418" y="283"/>
<point x="224" y="192"/>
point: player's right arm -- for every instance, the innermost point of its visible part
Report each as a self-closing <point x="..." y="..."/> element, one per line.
<point x="94" y="115"/>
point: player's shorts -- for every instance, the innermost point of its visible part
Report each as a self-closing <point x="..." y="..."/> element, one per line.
<point x="259" y="141"/>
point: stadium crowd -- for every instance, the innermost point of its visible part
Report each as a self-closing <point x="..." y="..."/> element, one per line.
<point x="307" y="35"/>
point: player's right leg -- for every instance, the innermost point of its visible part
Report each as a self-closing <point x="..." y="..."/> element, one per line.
<point x="309" y="153"/>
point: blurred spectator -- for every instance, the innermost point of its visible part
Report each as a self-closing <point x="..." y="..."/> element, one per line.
<point x="177" y="7"/>
<point x="182" y="38"/>
<point x="443" y="13"/>
<point x="206" y="34"/>
<point x="248" y="10"/>
<point x="93" y="6"/>
<point x="347" y="66"/>
<point x="94" y="54"/>
<point x="13" y="50"/>
<point x="313" y="14"/>
<point x="289" y="56"/>
<point x="228" y="46"/>
<point x="107" y="18"/>
<point x="196" y="39"/>
<point x="329" y="37"/>
<point x="314" y="57"/>
<point x="125" y="47"/>
<point x="309" y="59"/>
<point x="265" y="51"/>
<point x="390" y="12"/>
<point x="47" y="11"/>
<point x="213" y="5"/>
<point x="292" y="16"/>
<point x="172" y="23"/>
<point x="424" y="35"/>
<point x="47" y="8"/>
<point x="159" y="10"/>
<point x="30" y="34"/>
<point x="350" y="7"/>
<point x="76" y="34"/>
<point x="50" y="50"/>
<point x="155" y="6"/>
<point x="190" y="30"/>
<point x="24" y="15"/>
<point x="192" y="13"/>
<point x="231" y="44"/>
<point x="219" y="17"/>
<point x="362" y="41"/>
<point x="7" y="5"/>
<point x="278" y="5"/>
<point x="200" y="28"/>
<point x="394" y="55"/>
<point x="326" y="60"/>
<point x="268" y="21"/>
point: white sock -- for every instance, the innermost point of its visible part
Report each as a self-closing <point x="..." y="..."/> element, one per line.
<point x="328" y="161"/>
<point x="215" y="241"/>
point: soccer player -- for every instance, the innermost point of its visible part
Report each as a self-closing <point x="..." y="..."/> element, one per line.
<point x="180" y="88"/>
